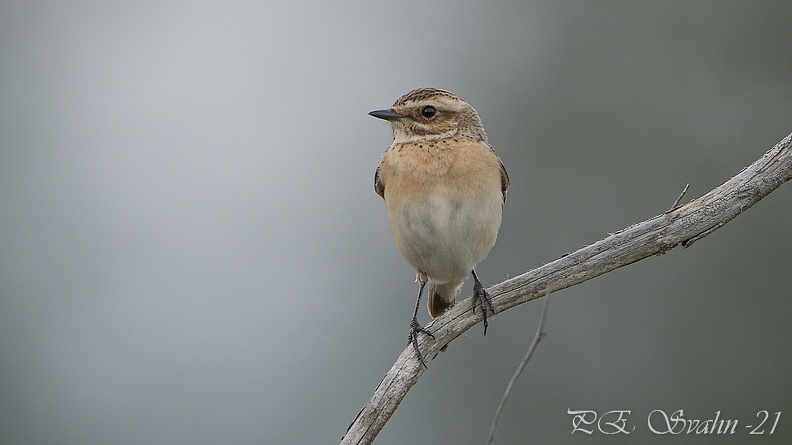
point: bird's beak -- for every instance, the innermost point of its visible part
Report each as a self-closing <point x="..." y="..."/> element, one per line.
<point x="388" y="115"/>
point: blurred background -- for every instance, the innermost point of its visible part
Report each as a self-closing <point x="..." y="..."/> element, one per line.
<point x="191" y="250"/>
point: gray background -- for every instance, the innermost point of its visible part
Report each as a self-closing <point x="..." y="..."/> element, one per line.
<point x="191" y="250"/>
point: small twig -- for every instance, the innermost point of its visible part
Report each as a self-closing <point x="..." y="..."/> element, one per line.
<point x="676" y="203"/>
<point x="540" y="334"/>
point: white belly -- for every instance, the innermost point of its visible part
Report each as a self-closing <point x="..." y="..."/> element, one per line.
<point x="446" y="232"/>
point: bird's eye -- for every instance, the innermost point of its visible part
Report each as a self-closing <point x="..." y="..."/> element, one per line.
<point x="428" y="111"/>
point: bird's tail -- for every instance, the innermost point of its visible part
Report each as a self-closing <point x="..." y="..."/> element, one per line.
<point x="442" y="297"/>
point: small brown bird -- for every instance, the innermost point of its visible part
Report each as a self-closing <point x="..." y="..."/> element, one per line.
<point x="444" y="188"/>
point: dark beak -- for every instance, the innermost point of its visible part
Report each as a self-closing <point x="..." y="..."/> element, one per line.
<point x="388" y="115"/>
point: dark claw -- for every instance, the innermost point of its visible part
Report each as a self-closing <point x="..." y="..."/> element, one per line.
<point x="482" y="299"/>
<point x="415" y="328"/>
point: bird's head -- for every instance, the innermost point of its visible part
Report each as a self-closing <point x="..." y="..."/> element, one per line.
<point x="426" y="114"/>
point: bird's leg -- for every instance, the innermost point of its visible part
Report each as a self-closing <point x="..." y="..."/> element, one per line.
<point x="415" y="328"/>
<point x="482" y="299"/>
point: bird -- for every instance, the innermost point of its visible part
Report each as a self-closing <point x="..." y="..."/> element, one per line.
<point x="444" y="189"/>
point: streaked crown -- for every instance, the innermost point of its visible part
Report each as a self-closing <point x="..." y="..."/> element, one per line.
<point x="431" y="114"/>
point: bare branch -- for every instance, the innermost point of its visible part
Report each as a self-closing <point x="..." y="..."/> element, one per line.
<point x="684" y="225"/>
<point x="538" y="336"/>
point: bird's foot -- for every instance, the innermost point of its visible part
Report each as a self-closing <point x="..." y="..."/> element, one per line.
<point x="415" y="328"/>
<point x="482" y="299"/>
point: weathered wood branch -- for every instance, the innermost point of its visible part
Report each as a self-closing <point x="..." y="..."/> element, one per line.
<point x="682" y="225"/>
